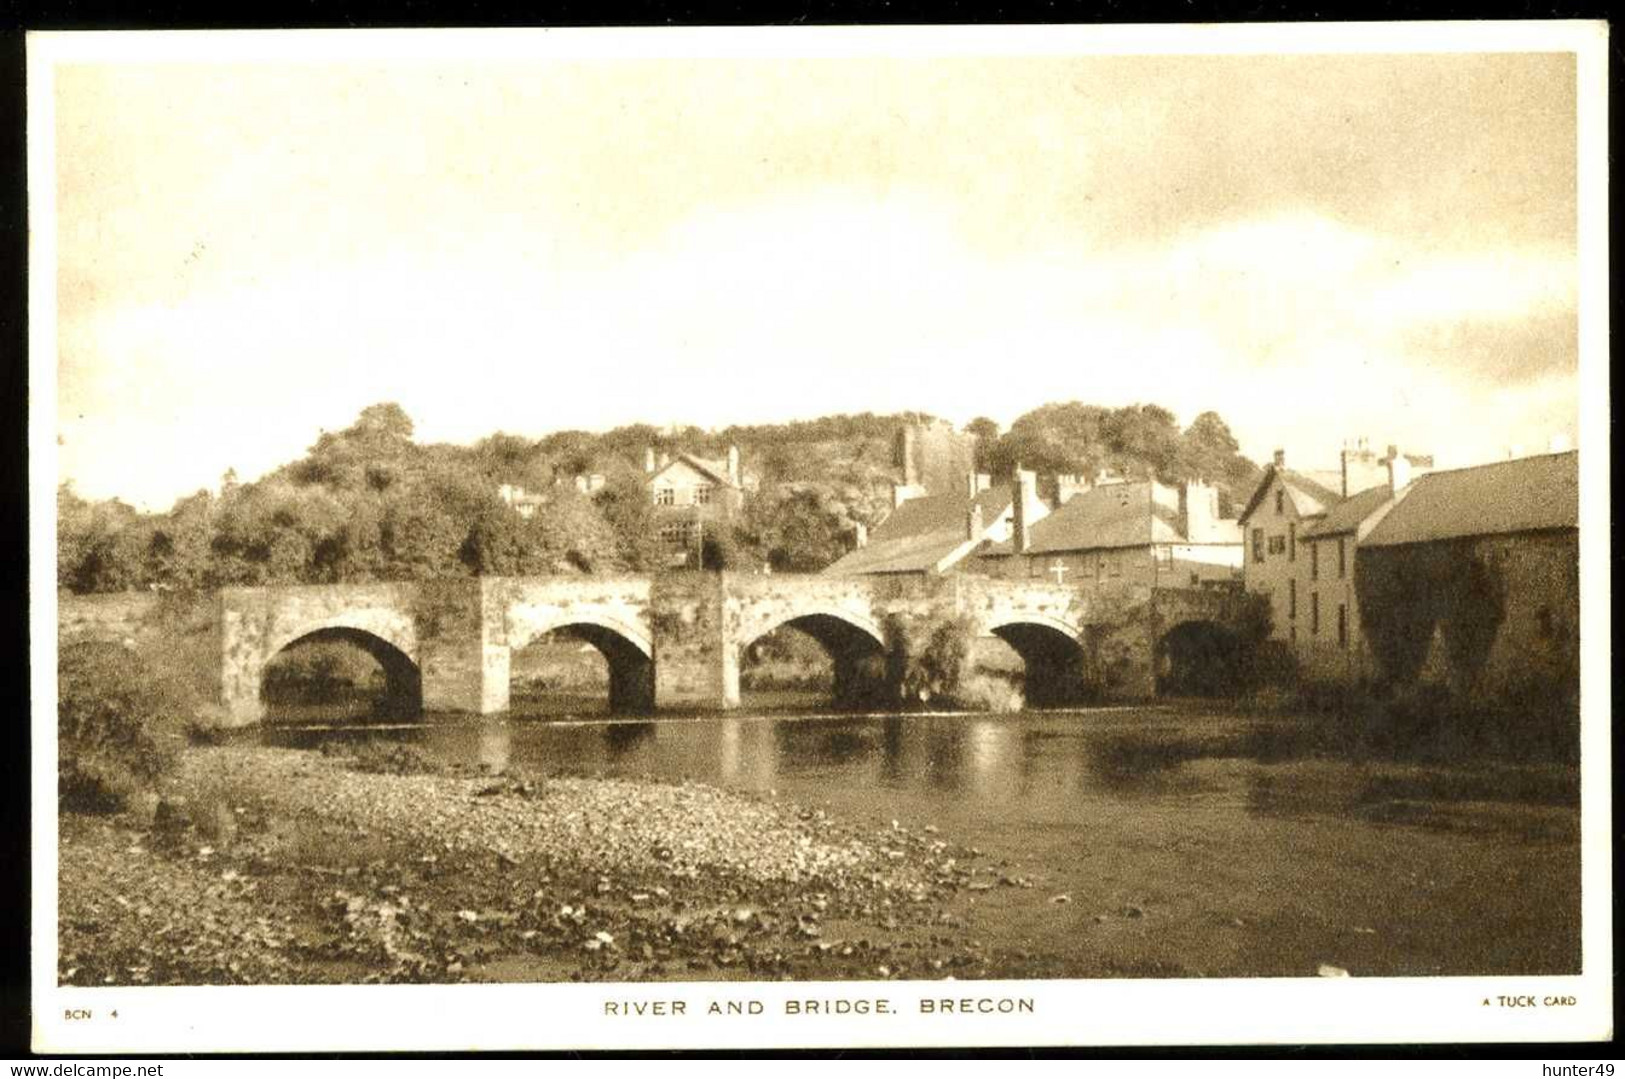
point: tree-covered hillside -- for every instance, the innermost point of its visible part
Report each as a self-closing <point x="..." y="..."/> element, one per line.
<point x="371" y="503"/>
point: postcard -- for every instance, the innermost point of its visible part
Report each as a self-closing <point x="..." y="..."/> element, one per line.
<point x="932" y="536"/>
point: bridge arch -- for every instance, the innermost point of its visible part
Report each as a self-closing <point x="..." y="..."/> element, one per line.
<point x="403" y="680"/>
<point x="1053" y="654"/>
<point x="854" y="643"/>
<point x="1197" y="657"/>
<point x="627" y="650"/>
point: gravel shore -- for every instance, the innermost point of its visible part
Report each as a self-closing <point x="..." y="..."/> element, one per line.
<point x="282" y="866"/>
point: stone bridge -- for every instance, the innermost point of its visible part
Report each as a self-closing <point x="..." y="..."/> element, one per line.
<point x="673" y="642"/>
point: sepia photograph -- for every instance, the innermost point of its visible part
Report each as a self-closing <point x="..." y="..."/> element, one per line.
<point x="821" y="536"/>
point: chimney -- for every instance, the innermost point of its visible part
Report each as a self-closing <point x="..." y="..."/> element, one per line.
<point x="1399" y="470"/>
<point x="1069" y="487"/>
<point x="1280" y="458"/>
<point x="983" y="482"/>
<point x="1198" y="510"/>
<point x="649" y="459"/>
<point x="905" y="454"/>
<point x="733" y="465"/>
<point x="1022" y="491"/>
<point x="860" y="535"/>
<point x="973" y="522"/>
<point x="1360" y="468"/>
<point x="971" y="488"/>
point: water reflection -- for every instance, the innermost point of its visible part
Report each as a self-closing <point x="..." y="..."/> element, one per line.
<point x="1033" y="767"/>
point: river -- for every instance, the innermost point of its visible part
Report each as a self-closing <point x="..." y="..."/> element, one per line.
<point x="1177" y="840"/>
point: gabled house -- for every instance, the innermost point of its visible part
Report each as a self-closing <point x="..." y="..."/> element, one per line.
<point x="691" y="493"/>
<point x="937" y="534"/>
<point x="1140" y="532"/>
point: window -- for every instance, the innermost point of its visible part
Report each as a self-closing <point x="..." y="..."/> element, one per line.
<point x="1258" y="545"/>
<point x="1292" y="599"/>
<point x="1280" y="501"/>
<point x="1342" y="559"/>
<point x="1291" y="543"/>
<point x="675" y="535"/>
<point x="665" y="496"/>
<point x="1342" y="626"/>
<point x="1314" y="614"/>
<point x="702" y="494"/>
<point x="1314" y="561"/>
<point x="1035" y="568"/>
<point x="1277" y="545"/>
<point x="1117" y="565"/>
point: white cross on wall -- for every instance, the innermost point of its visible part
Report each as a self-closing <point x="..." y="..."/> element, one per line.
<point x="1059" y="570"/>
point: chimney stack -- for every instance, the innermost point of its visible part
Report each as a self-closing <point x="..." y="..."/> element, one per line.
<point x="1280" y="458"/>
<point x="905" y="454"/>
<point x="971" y="488"/>
<point x="1399" y="470"/>
<point x="860" y="535"/>
<point x="733" y="465"/>
<point x="1022" y="492"/>
<point x="649" y="459"/>
<point x="1068" y="487"/>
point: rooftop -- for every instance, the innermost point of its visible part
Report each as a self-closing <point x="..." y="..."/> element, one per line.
<point x="921" y="532"/>
<point x="1530" y="494"/>
<point x="1116" y="515"/>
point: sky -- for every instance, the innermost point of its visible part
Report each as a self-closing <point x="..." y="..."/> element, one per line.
<point x="1316" y="247"/>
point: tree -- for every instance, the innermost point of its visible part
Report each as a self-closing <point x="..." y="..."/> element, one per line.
<point x="624" y="504"/>
<point x="986" y="433"/>
<point x="798" y="527"/>
<point x="180" y="552"/>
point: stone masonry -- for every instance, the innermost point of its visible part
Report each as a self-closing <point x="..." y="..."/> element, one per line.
<point x="672" y="642"/>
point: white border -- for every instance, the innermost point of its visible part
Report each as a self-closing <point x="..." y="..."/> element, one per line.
<point x="1260" y="1011"/>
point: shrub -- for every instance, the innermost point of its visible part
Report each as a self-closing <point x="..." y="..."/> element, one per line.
<point x="988" y="693"/>
<point x="120" y="726"/>
<point x="928" y="662"/>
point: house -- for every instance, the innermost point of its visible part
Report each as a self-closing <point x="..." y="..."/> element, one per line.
<point x="690" y="493"/>
<point x="1488" y="557"/>
<point x="1120" y="532"/>
<point x="1300" y="529"/>
<point x="523" y="502"/>
<point x="936" y="534"/>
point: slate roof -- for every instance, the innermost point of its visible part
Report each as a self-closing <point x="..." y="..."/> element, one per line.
<point x="1347" y="516"/>
<point x="1530" y="494"/>
<point x="921" y="533"/>
<point x="1112" y="515"/>
<point x="1313" y="492"/>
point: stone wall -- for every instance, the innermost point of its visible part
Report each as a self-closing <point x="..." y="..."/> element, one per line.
<point x="672" y="642"/>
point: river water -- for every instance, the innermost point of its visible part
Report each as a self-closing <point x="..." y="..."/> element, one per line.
<point x="1176" y="840"/>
